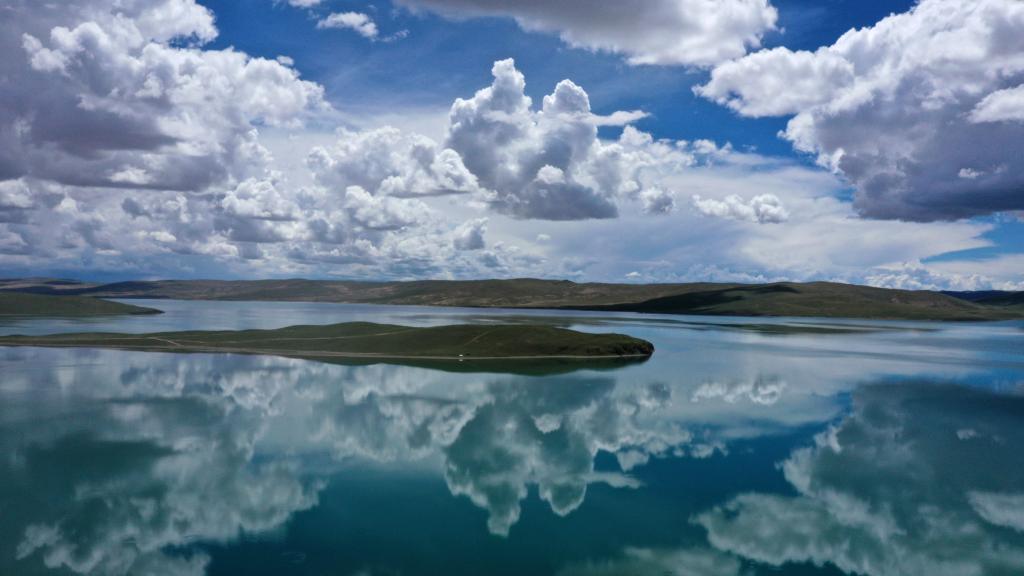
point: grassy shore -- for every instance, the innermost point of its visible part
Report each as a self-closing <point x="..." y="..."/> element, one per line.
<point x="367" y="340"/>
<point x="21" y="304"/>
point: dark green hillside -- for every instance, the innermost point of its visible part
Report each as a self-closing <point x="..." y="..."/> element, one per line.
<point x="1004" y="299"/>
<point x="824" y="299"/>
<point x="21" y="304"/>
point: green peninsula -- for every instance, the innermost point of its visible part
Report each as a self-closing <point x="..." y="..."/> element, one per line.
<point x="24" y="304"/>
<point x="366" y="340"/>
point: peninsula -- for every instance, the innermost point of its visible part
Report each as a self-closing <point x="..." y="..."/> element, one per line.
<point x="36" y="305"/>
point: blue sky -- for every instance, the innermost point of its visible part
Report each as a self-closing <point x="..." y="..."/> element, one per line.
<point x="751" y="140"/>
<point x="441" y="60"/>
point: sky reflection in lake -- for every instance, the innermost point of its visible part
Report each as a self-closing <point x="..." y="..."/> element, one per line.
<point x="882" y="448"/>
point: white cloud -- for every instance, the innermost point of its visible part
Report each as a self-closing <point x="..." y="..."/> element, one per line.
<point x="127" y="97"/>
<point x="1001" y="106"/>
<point x="259" y="200"/>
<point x="388" y="161"/>
<point x="762" y="209"/>
<point x="812" y="245"/>
<point x="304" y="3"/>
<point x="382" y="212"/>
<point x="524" y="158"/>
<point x="619" y="118"/>
<point x="796" y="80"/>
<point x="549" y="163"/>
<point x="1001" y="273"/>
<point x="657" y="201"/>
<point x="356" y="21"/>
<point x="902" y="108"/>
<point x="680" y="32"/>
<point x="470" y="235"/>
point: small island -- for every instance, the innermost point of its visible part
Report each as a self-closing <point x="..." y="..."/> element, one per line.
<point x="367" y="340"/>
<point x="39" y="305"/>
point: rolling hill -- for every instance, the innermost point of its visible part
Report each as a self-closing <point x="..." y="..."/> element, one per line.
<point x="824" y="299"/>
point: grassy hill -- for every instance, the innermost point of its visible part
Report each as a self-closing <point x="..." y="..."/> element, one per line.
<point x="21" y="304"/>
<point x="519" y="293"/>
<point x="824" y="299"/>
<point x="817" y="299"/>
<point x="368" y="341"/>
<point x="1004" y="299"/>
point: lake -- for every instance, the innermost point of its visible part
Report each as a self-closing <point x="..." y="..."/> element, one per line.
<point x="743" y="446"/>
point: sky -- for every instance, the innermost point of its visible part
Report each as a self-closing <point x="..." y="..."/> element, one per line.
<point x="857" y="141"/>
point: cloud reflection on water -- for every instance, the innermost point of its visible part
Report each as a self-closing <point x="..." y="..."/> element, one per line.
<point x="153" y="452"/>
<point x="130" y="460"/>
<point x="896" y="488"/>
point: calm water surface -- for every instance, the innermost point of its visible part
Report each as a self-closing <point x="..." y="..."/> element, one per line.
<point x="744" y="446"/>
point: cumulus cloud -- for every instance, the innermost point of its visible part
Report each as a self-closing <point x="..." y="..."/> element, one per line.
<point x="1000" y="273"/>
<point x="762" y="209"/>
<point x="125" y="96"/>
<point x="127" y="144"/>
<point x="470" y="235"/>
<point x="657" y="201"/>
<point x="391" y="162"/>
<point x="527" y="158"/>
<point x="1001" y="106"/>
<point x="903" y="108"/>
<point x="355" y="21"/>
<point x="530" y="164"/>
<point x="382" y="212"/>
<point x="681" y="32"/>
<point x="549" y="163"/>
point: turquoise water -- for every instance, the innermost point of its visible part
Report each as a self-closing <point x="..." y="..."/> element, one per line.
<point x="744" y="446"/>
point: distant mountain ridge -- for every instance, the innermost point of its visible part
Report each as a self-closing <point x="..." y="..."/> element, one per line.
<point x="825" y="299"/>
